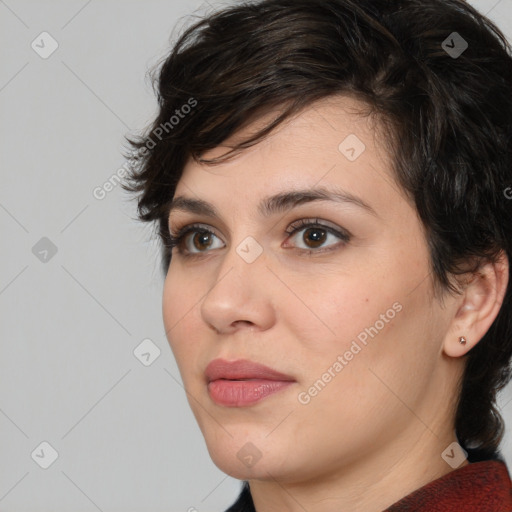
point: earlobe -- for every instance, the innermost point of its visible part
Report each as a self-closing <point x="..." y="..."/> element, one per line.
<point x="477" y="307"/>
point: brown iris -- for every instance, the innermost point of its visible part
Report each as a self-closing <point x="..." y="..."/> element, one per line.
<point x="202" y="241"/>
<point x="314" y="237"/>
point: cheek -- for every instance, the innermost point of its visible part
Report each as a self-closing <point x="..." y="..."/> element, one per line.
<point x="352" y="323"/>
<point x="336" y="310"/>
<point x="180" y="295"/>
<point x="359" y="379"/>
<point x="387" y="343"/>
<point x="179" y="303"/>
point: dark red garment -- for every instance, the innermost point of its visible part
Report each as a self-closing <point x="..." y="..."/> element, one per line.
<point x="478" y="487"/>
<point x="482" y="486"/>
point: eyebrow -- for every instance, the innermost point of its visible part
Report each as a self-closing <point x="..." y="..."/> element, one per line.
<point x="275" y="204"/>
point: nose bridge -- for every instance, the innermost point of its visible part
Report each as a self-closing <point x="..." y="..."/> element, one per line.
<point x="239" y="292"/>
<point x="242" y="262"/>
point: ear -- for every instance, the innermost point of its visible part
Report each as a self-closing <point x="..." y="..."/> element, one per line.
<point x="478" y="306"/>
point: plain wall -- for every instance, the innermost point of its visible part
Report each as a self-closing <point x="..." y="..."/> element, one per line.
<point x="71" y="319"/>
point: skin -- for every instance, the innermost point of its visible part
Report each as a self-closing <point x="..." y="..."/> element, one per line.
<point x="377" y="430"/>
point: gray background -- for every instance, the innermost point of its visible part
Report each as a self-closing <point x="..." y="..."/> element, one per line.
<point x="70" y="321"/>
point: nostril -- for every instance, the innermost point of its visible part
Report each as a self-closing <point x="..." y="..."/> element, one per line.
<point x="237" y="323"/>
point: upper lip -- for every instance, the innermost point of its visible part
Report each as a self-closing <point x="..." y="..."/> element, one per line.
<point x="242" y="369"/>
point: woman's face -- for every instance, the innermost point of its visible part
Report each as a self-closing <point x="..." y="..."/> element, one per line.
<point x="333" y="293"/>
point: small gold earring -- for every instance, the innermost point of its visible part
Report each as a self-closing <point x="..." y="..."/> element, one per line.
<point x="462" y="340"/>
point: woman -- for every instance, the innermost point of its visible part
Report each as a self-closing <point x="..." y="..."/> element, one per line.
<point x="331" y="181"/>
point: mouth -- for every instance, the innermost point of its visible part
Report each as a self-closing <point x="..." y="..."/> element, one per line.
<point x="242" y="383"/>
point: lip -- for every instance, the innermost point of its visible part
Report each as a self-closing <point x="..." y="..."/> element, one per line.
<point x="242" y="382"/>
<point x="242" y="369"/>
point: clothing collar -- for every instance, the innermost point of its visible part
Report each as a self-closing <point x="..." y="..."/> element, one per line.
<point x="477" y="487"/>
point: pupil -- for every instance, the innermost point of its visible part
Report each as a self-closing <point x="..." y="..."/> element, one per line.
<point x="314" y="236"/>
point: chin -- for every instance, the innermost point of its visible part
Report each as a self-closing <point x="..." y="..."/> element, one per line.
<point x="245" y="456"/>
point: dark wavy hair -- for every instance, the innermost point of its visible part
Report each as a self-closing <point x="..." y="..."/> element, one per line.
<point x="447" y="110"/>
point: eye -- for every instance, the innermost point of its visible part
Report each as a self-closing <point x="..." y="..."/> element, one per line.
<point x="197" y="239"/>
<point x="193" y="239"/>
<point x="315" y="234"/>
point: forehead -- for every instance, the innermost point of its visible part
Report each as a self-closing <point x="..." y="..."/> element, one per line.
<point x="331" y="142"/>
<point x="331" y="116"/>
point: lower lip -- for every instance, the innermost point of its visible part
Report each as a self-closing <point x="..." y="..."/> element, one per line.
<point x="238" y="393"/>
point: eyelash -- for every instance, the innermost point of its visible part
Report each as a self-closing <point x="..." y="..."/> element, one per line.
<point x="177" y="239"/>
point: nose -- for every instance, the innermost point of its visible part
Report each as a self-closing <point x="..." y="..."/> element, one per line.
<point x="240" y="296"/>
